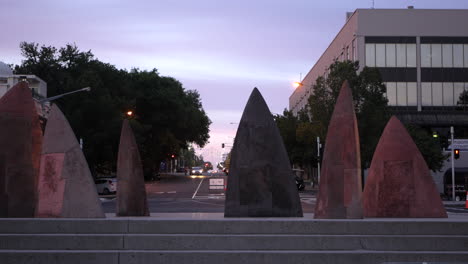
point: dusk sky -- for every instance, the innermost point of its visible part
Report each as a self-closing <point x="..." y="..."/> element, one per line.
<point x="222" y="49"/>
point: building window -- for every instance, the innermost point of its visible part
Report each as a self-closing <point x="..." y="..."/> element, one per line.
<point x="447" y="56"/>
<point x="437" y="94"/>
<point x="402" y="93"/>
<point x="410" y="55"/>
<point x="448" y="93"/>
<point x="390" y="56"/>
<point x="380" y="55"/>
<point x="401" y="55"/>
<point x="426" y="98"/>
<point x="391" y="93"/>
<point x="436" y="55"/>
<point x="354" y="50"/>
<point x="458" y="55"/>
<point x="425" y="55"/>
<point x="465" y="55"/>
<point x="412" y="93"/>
<point x="370" y="55"/>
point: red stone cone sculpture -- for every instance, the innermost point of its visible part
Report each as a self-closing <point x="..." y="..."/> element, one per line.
<point x="340" y="189"/>
<point x="66" y="187"/>
<point x="399" y="183"/>
<point x="20" y="150"/>
<point x="131" y="193"/>
<point x="260" y="182"/>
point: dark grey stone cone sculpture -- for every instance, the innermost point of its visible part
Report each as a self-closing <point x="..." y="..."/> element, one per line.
<point x="260" y="182"/>
<point x="131" y="194"/>
<point x="66" y="187"/>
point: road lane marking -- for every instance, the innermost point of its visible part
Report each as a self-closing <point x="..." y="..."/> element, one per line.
<point x="197" y="188"/>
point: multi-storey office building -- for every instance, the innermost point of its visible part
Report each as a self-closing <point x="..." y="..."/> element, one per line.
<point x="422" y="56"/>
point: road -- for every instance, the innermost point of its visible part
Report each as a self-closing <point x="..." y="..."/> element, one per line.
<point x="179" y="193"/>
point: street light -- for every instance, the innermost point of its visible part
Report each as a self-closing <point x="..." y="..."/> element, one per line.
<point x="297" y="84"/>
<point x="86" y="89"/>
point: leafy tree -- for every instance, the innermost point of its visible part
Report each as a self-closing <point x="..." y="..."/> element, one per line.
<point x="167" y="116"/>
<point x="371" y="109"/>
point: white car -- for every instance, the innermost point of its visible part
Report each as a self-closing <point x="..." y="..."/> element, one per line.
<point x="106" y="185"/>
<point x="196" y="171"/>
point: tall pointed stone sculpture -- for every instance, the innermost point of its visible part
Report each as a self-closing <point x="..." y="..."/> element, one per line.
<point x="131" y="193"/>
<point x="399" y="183"/>
<point x="20" y="150"/>
<point x="260" y="182"/>
<point x="340" y="188"/>
<point x="66" y="187"/>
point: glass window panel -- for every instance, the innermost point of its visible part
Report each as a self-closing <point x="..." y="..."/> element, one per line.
<point x="436" y="52"/>
<point x="426" y="94"/>
<point x="465" y="55"/>
<point x="348" y="56"/>
<point x="401" y="55"/>
<point x="370" y="55"/>
<point x="437" y="94"/>
<point x="391" y="93"/>
<point x="380" y="55"/>
<point x="410" y="55"/>
<point x="448" y="94"/>
<point x="447" y="56"/>
<point x="401" y="93"/>
<point x="354" y="50"/>
<point x="458" y="55"/>
<point x="412" y="93"/>
<point x="425" y="55"/>
<point x="390" y="55"/>
<point x="458" y="93"/>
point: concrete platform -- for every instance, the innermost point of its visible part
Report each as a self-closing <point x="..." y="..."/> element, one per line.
<point x="211" y="238"/>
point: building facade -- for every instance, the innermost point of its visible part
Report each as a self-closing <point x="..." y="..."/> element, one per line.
<point x="37" y="85"/>
<point x="422" y="55"/>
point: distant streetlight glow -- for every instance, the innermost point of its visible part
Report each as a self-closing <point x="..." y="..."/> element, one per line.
<point x="129" y="113"/>
<point x="297" y="84"/>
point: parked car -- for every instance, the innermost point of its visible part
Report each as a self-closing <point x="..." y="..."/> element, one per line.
<point x="106" y="185"/>
<point x="196" y="171"/>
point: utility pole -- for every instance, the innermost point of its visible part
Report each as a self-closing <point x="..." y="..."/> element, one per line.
<point x="453" y="163"/>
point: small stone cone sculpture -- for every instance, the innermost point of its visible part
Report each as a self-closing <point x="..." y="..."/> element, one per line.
<point x="260" y="182"/>
<point x="66" y="187"/>
<point x="399" y="183"/>
<point x="20" y="152"/>
<point x="131" y="193"/>
<point x="340" y="188"/>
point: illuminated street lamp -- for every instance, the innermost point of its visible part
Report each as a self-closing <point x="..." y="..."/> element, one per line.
<point x="130" y="113"/>
<point x="297" y="84"/>
<point x="86" y="89"/>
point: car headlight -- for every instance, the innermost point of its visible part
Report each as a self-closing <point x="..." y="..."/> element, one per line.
<point x="193" y="171"/>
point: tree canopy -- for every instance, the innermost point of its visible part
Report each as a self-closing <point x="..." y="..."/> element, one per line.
<point x="372" y="112"/>
<point x="167" y="117"/>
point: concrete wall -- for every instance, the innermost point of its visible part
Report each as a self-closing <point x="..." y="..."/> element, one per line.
<point x="344" y="38"/>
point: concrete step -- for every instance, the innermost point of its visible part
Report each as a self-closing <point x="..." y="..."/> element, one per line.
<point x="297" y="226"/>
<point x="232" y="242"/>
<point x="231" y="257"/>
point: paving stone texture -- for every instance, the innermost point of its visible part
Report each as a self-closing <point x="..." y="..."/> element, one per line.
<point x="66" y="187"/>
<point x="340" y="188"/>
<point x="399" y="183"/>
<point x="20" y="150"/>
<point x="260" y="182"/>
<point x="131" y="194"/>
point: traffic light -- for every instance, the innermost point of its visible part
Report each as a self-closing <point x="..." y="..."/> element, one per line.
<point x="222" y="145"/>
<point x="456" y="153"/>
<point x="172" y="156"/>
